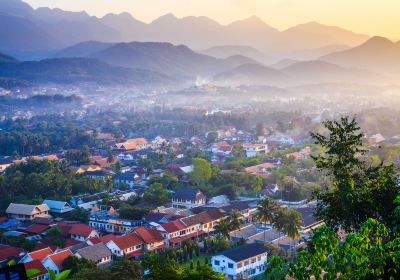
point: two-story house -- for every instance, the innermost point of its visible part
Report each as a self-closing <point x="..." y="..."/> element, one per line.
<point x="27" y="212"/>
<point x="253" y="150"/>
<point x="129" y="246"/>
<point x="82" y="232"/>
<point x="242" y="262"/>
<point x="153" y="240"/>
<point x="173" y="232"/>
<point x="188" y="198"/>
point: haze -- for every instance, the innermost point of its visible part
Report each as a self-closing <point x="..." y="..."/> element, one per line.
<point x="368" y="17"/>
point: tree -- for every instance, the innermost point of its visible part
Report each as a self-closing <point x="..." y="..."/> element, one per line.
<point x="266" y="212"/>
<point x="234" y="220"/>
<point x="222" y="228"/>
<point x="369" y="253"/>
<point x="212" y="137"/>
<point x="75" y="264"/>
<point x="126" y="270"/>
<point x="201" y="171"/>
<point x="260" y="130"/>
<point x="128" y="211"/>
<point x="257" y="183"/>
<point x="359" y="191"/>
<point x="289" y="222"/>
<point x="156" y="194"/>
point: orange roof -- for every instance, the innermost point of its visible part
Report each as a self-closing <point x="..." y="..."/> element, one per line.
<point x="58" y="258"/>
<point x="36" y="264"/>
<point x="173" y="226"/>
<point x="40" y="254"/>
<point x="81" y="230"/>
<point x="149" y="235"/>
<point x="127" y="241"/>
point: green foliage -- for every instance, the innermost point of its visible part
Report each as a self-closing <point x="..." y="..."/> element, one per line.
<point x="78" y="214"/>
<point x="128" y="211"/>
<point x="75" y="264"/>
<point x="201" y="173"/>
<point x="212" y="137"/>
<point x="366" y="254"/>
<point x="156" y="194"/>
<point x="161" y="267"/>
<point x="359" y="191"/>
<point x="126" y="270"/>
<point x="34" y="180"/>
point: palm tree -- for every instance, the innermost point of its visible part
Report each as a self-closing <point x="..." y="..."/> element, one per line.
<point x="235" y="220"/>
<point x="222" y="228"/>
<point x="291" y="223"/>
<point x="267" y="212"/>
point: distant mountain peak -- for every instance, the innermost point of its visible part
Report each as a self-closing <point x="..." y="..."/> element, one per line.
<point x="378" y="41"/>
<point x="166" y="18"/>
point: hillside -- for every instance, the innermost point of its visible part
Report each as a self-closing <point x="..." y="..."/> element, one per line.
<point x="77" y="70"/>
<point x="324" y="72"/>
<point x="252" y="74"/>
<point x="377" y="54"/>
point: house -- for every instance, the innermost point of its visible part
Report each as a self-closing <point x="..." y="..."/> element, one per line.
<point x="221" y="147"/>
<point x="203" y="222"/>
<point x="173" y="232"/>
<point x="99" y="175"/>
<point x="87" y="201"/>
<point x="136" y="144"/>
<point x="36" y="265"/>
<point x="111" y="222"/>
<point x="26" y="211"/>
<point x="253" y="150"/>
<point x="58" y="207"/>
<point x="188" y="198"/>
<point x="5" y="162"/>
<point x="86" y="168"/>
<point x="37" y="229"/>
<point x="153" y="240"/>
<point x="125" y="157"/>
<point x="36" y="255"/>
<point x="98" y="253"/>
<point x="129" y="246"/>
<point x="8" y="252"/>
<point x="128" y="178"/>
<point x="242" y="262"/>
<point x="262" y="169"/>
<point x="82" y="232"/>
<point x="55" y="261"/>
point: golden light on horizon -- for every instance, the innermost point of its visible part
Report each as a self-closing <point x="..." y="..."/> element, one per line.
<point x="361" y="16"/>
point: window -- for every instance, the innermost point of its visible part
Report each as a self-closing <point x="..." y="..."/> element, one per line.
<point x="246" y="263"/>
<point x="230" y="265"/>
<point x="253" y="260"/>
<point x="216" y="262"/>
<point x="259" y="258"/>
<point x="239" y="265"/>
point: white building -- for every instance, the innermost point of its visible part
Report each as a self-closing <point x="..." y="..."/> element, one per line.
<point x="253" y="150"/>
<point x="188" y="198"/>
<point x="242" y="262"/>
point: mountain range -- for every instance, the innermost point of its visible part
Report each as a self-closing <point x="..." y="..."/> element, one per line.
<point x="377" y="54"/>
<point x="25" y="29"/>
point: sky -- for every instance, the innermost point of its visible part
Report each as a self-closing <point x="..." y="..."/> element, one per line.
<point x="372" y="17"/>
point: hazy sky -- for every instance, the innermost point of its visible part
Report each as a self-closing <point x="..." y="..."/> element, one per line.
<point x="373" y="17"/>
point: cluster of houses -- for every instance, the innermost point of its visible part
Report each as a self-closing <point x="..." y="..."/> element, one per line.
<point x="107" y="236"/>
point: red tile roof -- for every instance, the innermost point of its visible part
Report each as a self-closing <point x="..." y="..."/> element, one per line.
<point x="58" y="258"/>
<point x="81" y="230"/>
<point x="40" y="254"/>
<point x="9" y="252"/>
<point x="128" y="240"/>
<point x="149" y="235"/>
<point x="95" y="240"/>
<point x="37" y="229"/>
<point x="107" y="237"/>
<point x="70" y="243"/>
<point x="173" y="226"/>
<point x="36" y="264"/>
